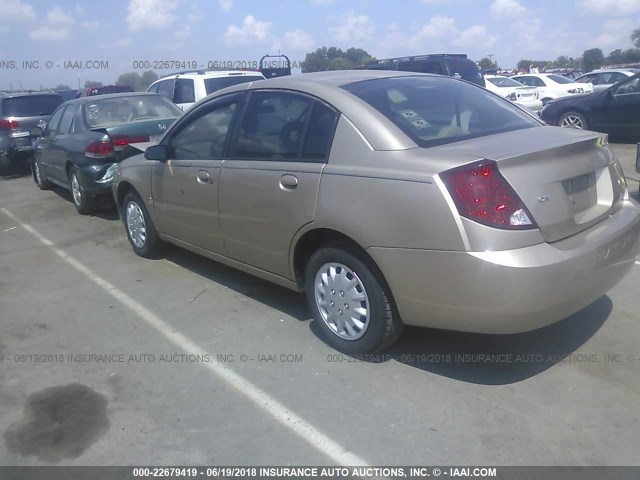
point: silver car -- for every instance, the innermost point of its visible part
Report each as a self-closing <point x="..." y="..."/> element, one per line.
<point x="603" y="79"/>
<point x="390" y="199"/>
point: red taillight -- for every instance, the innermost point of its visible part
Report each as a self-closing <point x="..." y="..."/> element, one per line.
<point x="121" y="141"/>
<point x="483" y="195"/>
<point x="100" y="149"/>
<point x="9" y="124"/>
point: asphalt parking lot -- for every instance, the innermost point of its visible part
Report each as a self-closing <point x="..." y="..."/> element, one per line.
<point x="111" y="359"/>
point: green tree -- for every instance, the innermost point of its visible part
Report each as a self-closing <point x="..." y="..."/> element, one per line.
<point x="485" y="63"/>
<point x="635" y="37"/>
<point x="334" y="58"/>
<point x="130" y="79"/>
<point x="147" y="78"/>
<point x="92" y="84"/>
<point x="61" y="87"/>
<point x="592" y="59"/>
<point x="562" y="61"/>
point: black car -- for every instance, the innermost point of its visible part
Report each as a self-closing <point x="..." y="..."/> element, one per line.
<point x="19" y="112"/>
<point x="87" y="137"/>
<point x="615" y="110"/>
<point x="455" y="65"/>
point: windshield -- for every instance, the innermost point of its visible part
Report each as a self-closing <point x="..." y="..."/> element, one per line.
<point x="559" y="79"/>
<point x="437" y="110"/>
<point x="30" y="106"/>
<point x="215" y="84"/>
<point x="504" y="82"/>
<point x="106" y="112"/>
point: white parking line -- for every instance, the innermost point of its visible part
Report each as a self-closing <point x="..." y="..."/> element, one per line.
<point x="261" y="399"/>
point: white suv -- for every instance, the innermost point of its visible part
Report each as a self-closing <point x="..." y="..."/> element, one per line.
<point x="186" y="88"/>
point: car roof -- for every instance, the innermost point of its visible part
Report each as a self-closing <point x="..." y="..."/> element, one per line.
<point x="94" y="98"/>
<point x="210" y="74"/>
<point x="27" y="94"/>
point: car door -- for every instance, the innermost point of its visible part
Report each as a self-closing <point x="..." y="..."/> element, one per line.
<point x="269" y="185"/>
<point x="185" y="187"/>
<point x="622" y="108"/>
<point x="48" y="151"/>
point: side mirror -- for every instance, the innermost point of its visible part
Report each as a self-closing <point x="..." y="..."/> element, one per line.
<point x="157" y="152"/>
<point x="35" y="132"/>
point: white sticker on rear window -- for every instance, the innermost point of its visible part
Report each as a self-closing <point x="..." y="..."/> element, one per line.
<point x="415" y="119"/>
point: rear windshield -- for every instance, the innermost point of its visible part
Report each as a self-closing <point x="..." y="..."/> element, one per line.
<point x="106" y="112"/>
<point x="31" y="106"/>
<point x="504" y="82"/>
<point x="560" y="79"/>
<point x="438" y="110"/>
<point x="215" y="84"/>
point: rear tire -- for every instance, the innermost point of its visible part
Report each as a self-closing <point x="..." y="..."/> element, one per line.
<point x="39" y="176"/>
<point x="350" y="302"/>
<point x="83" y="202"/>
<point x="573" y="120"/>
<point x="141" y="232"/>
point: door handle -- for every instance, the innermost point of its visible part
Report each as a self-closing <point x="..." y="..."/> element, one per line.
<point x="288" y="182"/>
<point x="203" y="177"/>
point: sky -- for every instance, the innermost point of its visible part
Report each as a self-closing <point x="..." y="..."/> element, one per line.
<point x="46" y="43"/>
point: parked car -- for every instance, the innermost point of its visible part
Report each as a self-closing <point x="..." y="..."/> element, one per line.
<point x="19" y="112"/>
<point x="103" y="90"/>
<point x="552" y="86"/>
<point x="390" y="198"/>
<point x="603" y="79"/>
<point x="455" y="65"/>
<point x="68" y="94"/>
<point x="615" y="110"/>
<point x="514" y="91"/>
<point x="186" y="88"/>
<point x="87" y="137"/>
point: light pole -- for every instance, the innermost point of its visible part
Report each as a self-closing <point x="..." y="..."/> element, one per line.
<point x="78" y="82"/>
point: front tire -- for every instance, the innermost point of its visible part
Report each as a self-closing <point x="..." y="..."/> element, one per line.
<point x="83" y="202"/>
<point x="573" y="120"/>
<point x="141" y="232"/>
<point x="350" y="302"/>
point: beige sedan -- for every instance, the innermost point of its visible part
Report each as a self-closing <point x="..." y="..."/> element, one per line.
<point x="390" y="198"/>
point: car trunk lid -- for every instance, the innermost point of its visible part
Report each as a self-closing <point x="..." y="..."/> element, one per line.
<point x="131" y="138"/>
<point x="568" y="179"/>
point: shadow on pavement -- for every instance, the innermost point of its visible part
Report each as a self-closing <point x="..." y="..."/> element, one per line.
<point x="501" y="359"/>
<point x="105" y="207"/>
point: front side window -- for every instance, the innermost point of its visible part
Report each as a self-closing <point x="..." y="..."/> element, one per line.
<point x="67" y="121"/>
<point x="204" y="137"/>
<point x="273" y="126"/>
<point x="437" y="110"/>
<point x="52" y="126"/>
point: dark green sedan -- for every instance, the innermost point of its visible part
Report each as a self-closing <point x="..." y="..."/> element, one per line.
<point x="87" y="137"/>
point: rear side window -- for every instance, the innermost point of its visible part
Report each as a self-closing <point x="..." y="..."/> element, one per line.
<point x="320" y="132"/>
<point x="214" y="84"/>
<point x="438" y="110"/>
<point x="30" y="106"/>
<point x="184" y="91"/>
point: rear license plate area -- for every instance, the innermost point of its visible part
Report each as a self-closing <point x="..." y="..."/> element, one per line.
<point x="581" y="191"/>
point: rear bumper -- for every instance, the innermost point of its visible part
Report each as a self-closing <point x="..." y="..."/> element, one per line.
<point x="511" y="291"/>
<point x="93" y="181"/>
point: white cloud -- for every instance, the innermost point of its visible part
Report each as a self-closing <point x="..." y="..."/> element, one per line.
<point x="507" y="8"/>
<point x="151" y="14"/>
<point x="57" y="15"/>
<point x="299" y="40"/>
<point x="252" y="30"/>
<point x="438" y="26"/>
<point x="90" y="25"/>
<point x="352" y="28"/>
<point x="610" y="7"/>
<point x="226" y="5"/>
<point x="16" y="11"/>
<point x="48" y="33"/>
<point x="615" y="34"/>
<point x="475" y="37"/>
